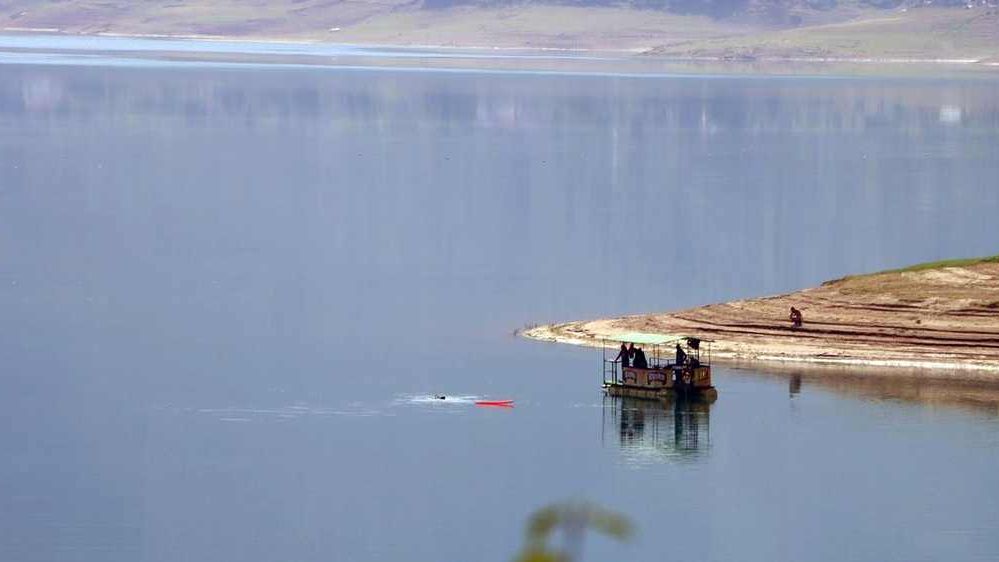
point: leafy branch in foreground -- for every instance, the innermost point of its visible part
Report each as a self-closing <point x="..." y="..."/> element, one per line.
<point x="573" y="519"/>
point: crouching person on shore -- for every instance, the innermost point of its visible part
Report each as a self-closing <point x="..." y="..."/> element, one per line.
<point x="796" y="319"/>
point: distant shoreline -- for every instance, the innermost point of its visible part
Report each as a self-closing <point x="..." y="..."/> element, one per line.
<point x="933" y="316"/>
<point x="662" y="54"/>
<point x="290" y="41"/>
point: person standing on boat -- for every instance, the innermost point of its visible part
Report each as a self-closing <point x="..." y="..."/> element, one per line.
<point x="624" y="356"/>
<point x="639" y="361"/>
<point x="681" y="356"/>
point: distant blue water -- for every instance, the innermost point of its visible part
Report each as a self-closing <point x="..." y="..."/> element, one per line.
<point x="227" y="295"/>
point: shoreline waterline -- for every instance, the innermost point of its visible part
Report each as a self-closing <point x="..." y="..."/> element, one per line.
<point x="551" y="333"/>
<point x="643" y="55"/>
<point x="940" y="318"/>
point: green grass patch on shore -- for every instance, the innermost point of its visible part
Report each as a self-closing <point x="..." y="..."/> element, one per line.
<point x="940" y="264"/>
<point x="965" y="262"/>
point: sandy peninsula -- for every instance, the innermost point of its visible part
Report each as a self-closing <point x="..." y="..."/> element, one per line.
<point x="943" y="315"/>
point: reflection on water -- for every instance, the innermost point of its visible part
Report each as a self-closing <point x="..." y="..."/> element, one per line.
<point x="794" y="384"/>
<point x="472" y="173"/>
<point x="649" y="431"/>
<point x="300" y="258"/>
<point x="928" y="387"/>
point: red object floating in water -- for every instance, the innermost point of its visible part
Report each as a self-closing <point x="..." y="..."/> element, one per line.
<point x="502" y="403"/>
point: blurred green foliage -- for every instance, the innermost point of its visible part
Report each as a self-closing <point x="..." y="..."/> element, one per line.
<point x="573" y="520"/>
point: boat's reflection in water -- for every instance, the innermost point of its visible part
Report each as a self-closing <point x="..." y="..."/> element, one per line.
<point x="650" y="431"/>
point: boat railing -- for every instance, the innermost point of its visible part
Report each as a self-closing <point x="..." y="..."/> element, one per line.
<point x="612" y="372"/>
<point x="611" y="368"/>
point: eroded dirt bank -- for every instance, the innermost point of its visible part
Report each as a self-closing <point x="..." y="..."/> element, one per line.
<point x="943" y="317"/>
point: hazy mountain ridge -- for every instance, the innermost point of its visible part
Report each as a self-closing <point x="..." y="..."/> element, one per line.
<point x="767" y="11"/>
<point x="266" y="12"/>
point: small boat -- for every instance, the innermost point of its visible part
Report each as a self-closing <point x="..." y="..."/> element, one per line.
<point x="504" y="403"/>
<point x="662" y="375"/>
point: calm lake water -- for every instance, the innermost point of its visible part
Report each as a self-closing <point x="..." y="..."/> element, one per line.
<point x="228" y="290"/>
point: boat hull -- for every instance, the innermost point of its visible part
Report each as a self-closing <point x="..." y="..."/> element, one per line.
<point x="664" y="382"/>
<point x="630" y="391"/>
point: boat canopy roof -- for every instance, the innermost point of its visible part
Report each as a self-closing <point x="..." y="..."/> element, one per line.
<point x="644" y="338"/>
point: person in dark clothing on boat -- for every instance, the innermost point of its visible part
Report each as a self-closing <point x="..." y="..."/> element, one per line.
<point x="624" y="356"/>
<point x="640" y="361"/>
<point x="681" y="355"/>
